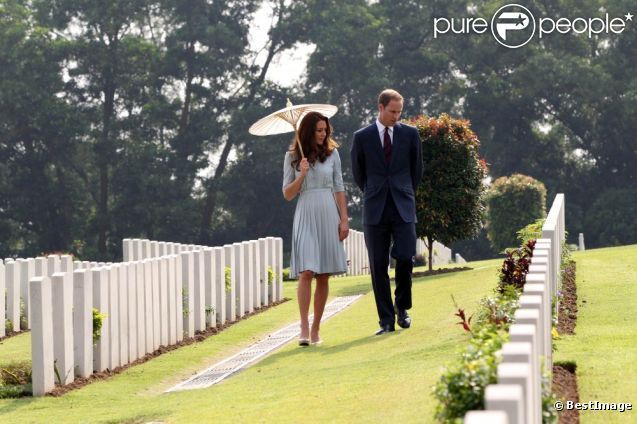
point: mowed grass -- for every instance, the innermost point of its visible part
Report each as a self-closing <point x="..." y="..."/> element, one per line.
<point x="353" y="376"/>
<point x="605" y="342"/>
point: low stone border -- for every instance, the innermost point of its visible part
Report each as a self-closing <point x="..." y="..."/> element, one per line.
<point x="199" y="336"/>
<point x="10" y="334"/>
<point x="565" y="387"/>
<point x="568" y="305"/>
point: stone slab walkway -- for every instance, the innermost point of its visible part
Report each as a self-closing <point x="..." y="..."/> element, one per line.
<point x="231" y="365"/>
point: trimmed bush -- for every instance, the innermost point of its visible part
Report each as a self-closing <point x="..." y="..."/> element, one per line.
<point x="513" y="203"/>
<point x="450" y="202"/>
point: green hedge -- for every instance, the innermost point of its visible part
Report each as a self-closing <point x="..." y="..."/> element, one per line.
<point x="512" y="203"/>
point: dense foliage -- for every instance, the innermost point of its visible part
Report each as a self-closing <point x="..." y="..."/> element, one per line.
<point x="129" y="119"/>
<point x="450" y="199"/>
<point x="512" y="203"/>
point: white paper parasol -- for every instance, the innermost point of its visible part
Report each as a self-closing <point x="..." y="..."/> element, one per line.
<point x="287" y="119"/>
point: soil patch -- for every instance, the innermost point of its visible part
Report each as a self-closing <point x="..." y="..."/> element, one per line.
<point x="565" y="387"/>
<point x="439" y="271"/>
<point x="567" y="314"/>
<point x="10" y="334"/>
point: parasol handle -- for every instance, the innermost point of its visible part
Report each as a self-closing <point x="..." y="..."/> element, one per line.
<point x="298" y="141"/>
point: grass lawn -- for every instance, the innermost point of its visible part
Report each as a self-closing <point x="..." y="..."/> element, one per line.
<point x="605" y="342"/>
<point x="354" y="376"/>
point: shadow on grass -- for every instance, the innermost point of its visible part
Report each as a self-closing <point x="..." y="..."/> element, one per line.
<point x="13" y="404"/>
<point x="326" y="350"/>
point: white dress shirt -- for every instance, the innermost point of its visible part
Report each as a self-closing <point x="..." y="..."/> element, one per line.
<point x="381" y="132"/>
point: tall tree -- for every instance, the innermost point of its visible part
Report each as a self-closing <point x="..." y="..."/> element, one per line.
<point x="38" y="129"/>
<point x="105" y="45"/>
<point x="251" y="84"/>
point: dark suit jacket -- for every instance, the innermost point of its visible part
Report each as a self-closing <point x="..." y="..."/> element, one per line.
<point x="377" y="180"/>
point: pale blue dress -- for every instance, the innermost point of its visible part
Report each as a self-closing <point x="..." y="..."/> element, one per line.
<point x="315" y="243"/>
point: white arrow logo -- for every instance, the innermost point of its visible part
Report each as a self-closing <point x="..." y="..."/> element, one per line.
<point x="516" y="18"/>
<point x="515" y="21"/>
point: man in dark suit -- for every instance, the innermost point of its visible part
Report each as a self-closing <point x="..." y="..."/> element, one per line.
<point x="387" y="166"/>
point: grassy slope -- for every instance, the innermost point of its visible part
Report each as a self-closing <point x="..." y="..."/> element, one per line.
<point x="605" y="343"/>
<point x="353" y="376"/>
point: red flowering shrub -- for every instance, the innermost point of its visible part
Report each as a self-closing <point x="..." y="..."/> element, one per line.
<point x="516" y="266"/>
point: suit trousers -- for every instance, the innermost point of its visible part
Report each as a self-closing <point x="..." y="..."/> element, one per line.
<point x="378" y="239"/>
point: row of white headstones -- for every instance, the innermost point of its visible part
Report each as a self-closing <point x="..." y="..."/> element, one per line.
<point x="161" y="293"/>
<point x="517" y="396"/>
<point x="441" y="254"/>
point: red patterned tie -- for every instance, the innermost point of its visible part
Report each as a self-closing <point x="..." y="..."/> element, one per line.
<point x="387" y="145"/>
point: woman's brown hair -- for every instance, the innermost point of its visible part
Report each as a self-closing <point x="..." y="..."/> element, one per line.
<point x="313" y="151"/>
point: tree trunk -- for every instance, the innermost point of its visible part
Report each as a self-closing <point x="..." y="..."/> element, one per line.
<point x="211" y="196"/>
<point x="103" y="147"/>
<point x="430" y="248"/>
<point x="212" y="187"/>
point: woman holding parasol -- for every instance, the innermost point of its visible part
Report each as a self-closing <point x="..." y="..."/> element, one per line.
<point x="312" y="170"/>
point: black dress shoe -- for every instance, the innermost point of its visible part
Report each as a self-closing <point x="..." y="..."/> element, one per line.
<point x="403" y="319"/>
<point x="385" y="329"/>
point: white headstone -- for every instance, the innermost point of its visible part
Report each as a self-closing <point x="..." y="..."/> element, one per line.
<point x="52" y="265"/>
<point x="508" y="398"/>
<point x="62" y="309"/>
<point x="209" y="285"/>
<point x="535" y="286"/>
<point x="113" y="320"/>
<point x="122" y="280"/>
<point x="12" y="281"/>
<point x="3" y="304"/>
<point x="248" y="268"/>
<point x="172" y="301"/>
<point x="240" y="275"/>
<point x="231" y="304"/>
<point x="163" y="300"/>
<point x="519" y="374"/>
<point x="264" y="266"/>
<point x="149" y="330"/>
<point x="188" y="278"/>
<point x="486" y="417"/>
<point x="257" y="274"/>
<point x="126" y="250"/>
<point x="29" y="268"/>
<point x="199" y="291"/>
<point x="66" y="264"/>
<point x="43" y="375"/>
<point x="156" y="285"/>
<point x="272" y="255"/>
<point x="131" y="283"/>
<point x="83" y="322"/>
<point x="220" y="284"/>
<point x="279" y="267"/>
<point x="140" y="309"/>
<point x="101" y="349"/>
<point x="179" y="290"/>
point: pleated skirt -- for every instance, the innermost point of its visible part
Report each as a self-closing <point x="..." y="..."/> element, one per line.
<point x="315" y="243"/>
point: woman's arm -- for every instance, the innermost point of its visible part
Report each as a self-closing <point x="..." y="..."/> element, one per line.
<point x="291" y="190"/>
<point x="343" y="226"/>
